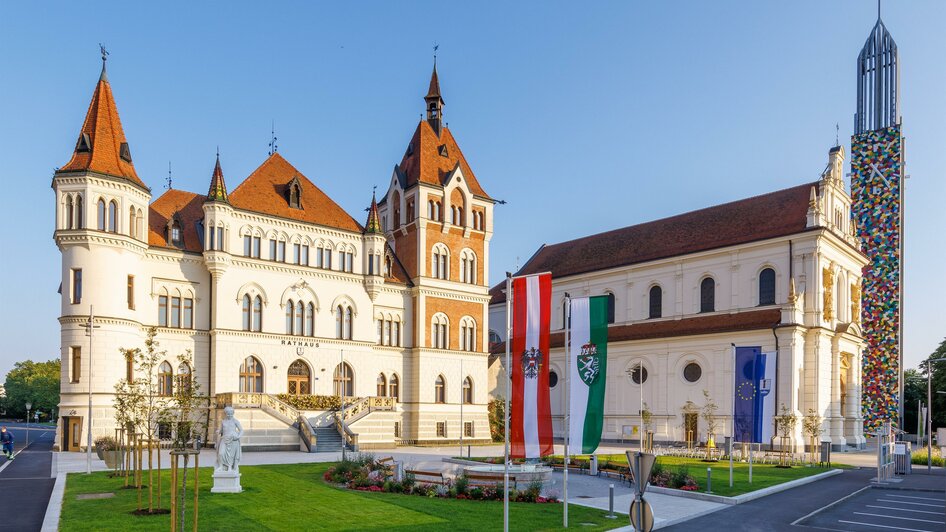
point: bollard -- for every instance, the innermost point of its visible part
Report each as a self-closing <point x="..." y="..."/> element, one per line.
<point x="709" y="480"/>
<point x="611" y="502"/>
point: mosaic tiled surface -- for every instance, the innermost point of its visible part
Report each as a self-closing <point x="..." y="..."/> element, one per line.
<point x="877" y="164"/>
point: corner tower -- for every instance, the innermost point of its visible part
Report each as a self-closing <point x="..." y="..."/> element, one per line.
<point x="438" y="219"/>
<point x="877" y="198"/>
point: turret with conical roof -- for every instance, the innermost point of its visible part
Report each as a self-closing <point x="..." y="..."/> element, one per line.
<point x="373" y="224"/>
<point x="218" y="188"/>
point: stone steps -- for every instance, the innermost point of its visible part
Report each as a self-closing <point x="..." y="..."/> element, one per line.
<point x="263" y="432"/>
<point x="327" y="439"/>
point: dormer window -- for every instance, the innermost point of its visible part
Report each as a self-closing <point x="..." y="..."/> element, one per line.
<point x="295" y="193"/>
<point x="84" y="144"/>
<point x="175" y="234"/>
<point x="125" y="152"/>
<point x="442" y="150"/>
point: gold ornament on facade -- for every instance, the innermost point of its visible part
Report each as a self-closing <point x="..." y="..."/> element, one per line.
<point x="828" y="285"/>
<point x="856" y="302"/>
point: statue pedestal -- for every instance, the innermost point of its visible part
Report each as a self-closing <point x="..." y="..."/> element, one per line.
<point x="226" y="482"/>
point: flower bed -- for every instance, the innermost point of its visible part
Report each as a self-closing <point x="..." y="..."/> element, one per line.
<point x="364" y="473"/>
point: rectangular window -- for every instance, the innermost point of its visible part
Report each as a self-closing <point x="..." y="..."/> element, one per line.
<point x="256" y="246"/>
<point x="76" y="286"/>
<point x="272" y="250"/>
<point x="397" y="334"/>
<point x="305" y="256"/>
<point x="175" y="312"/>
<point x="318" y="257"/>
<point x="397" y="429"/>
<point x="387" y="332"/>
<point x="188" y="313"/>
<point x="468" y="429"/>
<point x="163" y="311"/>
<point x="281" y="252"/>
<point x="328" y="259"/>
<point x="296" y="254"/>
<point x="220" y="238"/>
<point x="247" y="245"/>
<point x="75" y="356"/>
<point x="131" y="292"/>
<point x="212" y="243"/>
<point x="370" y="265"/>
<point x="350" y="262"/>
<point x="441" y="429"/>
<point x="379" y="330"/>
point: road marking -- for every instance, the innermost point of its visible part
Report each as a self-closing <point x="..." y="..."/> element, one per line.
<point x="823" y="508"/>
<point x="914" y="503"/>
<point x="903" y="509"/>
<point x="904" y="518"/>
<point x="911" y="497"/>
<point x="882" y="526"/>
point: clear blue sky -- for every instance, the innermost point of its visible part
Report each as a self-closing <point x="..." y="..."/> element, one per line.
<point x="585" y="116"/>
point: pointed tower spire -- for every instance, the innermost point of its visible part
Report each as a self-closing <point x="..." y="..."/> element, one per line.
<point x="434" y="101"/>
<point x="878" y="81"/>
<point x="218" y="188"/>
<point x="373" y="225"/>
<point x="102" y="146"/>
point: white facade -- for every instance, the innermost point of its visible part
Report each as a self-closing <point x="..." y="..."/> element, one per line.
<point x="817" y="337"/>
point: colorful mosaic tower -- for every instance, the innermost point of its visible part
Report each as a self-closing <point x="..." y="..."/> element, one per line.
<point x="877" y="194"/>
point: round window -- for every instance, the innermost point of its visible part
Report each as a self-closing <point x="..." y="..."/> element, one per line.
<point x="692" y="372"/>
<point x="638" y="374"/>
<point x="553" y="379"/>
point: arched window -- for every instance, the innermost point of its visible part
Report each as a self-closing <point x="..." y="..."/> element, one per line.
<point x="132" y="223"/>
<point x="339" y="318"/>
<point x="251" y="376"/>
<point x="430" y="209"/>
<point x="767" y="287"/>
<point x="68" y="214"/>
<point x="298" y="378"/>
<point x="344" y="380"/>
<point x="394" y="387"/>
<point x="387" y="266"/>
<point x="112" y="217"/>
<point x="101" y="215"/>
<point x="708" y="295"/>
<point x="246" y="312"/>
<point x="382" y="385"/>
<point x="310" y="320"/>
<point x="175" y="235"/>
<point x="467" y="334"/>
<point x="610" y="307"/>
<point x="295" y="194"/>
<point x="165" y="380"/>
<point x="300" y="319"/>
<point x="439" y="262"/>
<point x="468" y="266"/>
<point x="440" y="390"/>
<point x="453" y="215"/>
<point x="348" y="324"/>
<point x="290" y="315"/>
<point x="437" y="214"/>
<point x="258" y="314"/>
<point x="468" y="391"/>
<point x="80" y="217"/>
<point x="139" y="220"/>
<point x="183" y="378"/>
<point x="655" y="309"/>
<point x="438" y="332"/>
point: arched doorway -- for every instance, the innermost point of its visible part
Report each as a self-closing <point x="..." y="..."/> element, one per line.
<point x="299" y="379"/>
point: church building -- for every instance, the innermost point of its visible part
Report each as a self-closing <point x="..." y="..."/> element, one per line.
<point x="275" y="289"/>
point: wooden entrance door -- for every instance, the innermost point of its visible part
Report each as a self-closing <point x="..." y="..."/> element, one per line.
<point x="298" y="378"/>
<point x="72" y="437"/>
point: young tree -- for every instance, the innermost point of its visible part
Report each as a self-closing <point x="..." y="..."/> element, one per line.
<point x="709" y="414"/>
<point x="811" y="427"/>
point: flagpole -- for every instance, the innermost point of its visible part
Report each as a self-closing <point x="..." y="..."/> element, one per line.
<point x="568" y="371"/>
<point x="732" y="411"/>
<point x="506" y="407"/>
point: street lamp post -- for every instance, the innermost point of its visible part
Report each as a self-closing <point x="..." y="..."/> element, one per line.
<point x="29" y="406"/>
<point x="88" y="449"/>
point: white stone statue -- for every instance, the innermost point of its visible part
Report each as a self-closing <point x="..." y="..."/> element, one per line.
<point x="228" y="442"/>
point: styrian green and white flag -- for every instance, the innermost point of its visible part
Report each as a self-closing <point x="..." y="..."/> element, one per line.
<point x="588" y="363"/>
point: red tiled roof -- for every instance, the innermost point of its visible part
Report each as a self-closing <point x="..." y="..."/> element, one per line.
<point x="712" y="324"/>
<point x="771" y="215"/>
<point x="188" y="207"/>
<point x="424" y="162"/>
<point x="264" y="191"/>
<point x="104" y="130"/>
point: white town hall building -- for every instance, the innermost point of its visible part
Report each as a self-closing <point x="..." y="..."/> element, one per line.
<point x="277" y="290"/>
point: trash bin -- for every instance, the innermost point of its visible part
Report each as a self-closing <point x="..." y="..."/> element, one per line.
<point x="825" y="459"/>
<point x="902" y="453"/>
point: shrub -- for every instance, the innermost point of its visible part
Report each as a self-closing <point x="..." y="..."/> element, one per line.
<point x="409" y="480"/>
<point x="461" y="484"/>
<point x="311" y="402"/>
<point x="106" y="443"/>
<point x="476" y="493"/>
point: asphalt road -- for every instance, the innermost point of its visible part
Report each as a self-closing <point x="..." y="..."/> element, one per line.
<point x="26" y="482"/>
<point x="778" y="511"/>
<point x="883" y="509"/>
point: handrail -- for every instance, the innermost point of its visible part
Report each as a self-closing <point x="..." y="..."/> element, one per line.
<point x="349" y="438"/>
<point x="269" y="403"/>
<point x="365" y="405"/>
<point x="305" y="431"/>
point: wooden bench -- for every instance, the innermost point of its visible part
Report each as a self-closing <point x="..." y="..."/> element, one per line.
<point x="427" y="477"/>
<point x="387" y="464"/>
<point x="487" y="481"/>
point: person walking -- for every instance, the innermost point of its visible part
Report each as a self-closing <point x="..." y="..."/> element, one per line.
<point x="6" y="438"/>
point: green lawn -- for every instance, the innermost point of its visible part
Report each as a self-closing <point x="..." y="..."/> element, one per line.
<point x="294" y="497"/>
<point x="763" y="475"/>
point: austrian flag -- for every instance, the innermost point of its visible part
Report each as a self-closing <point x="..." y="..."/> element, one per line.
<point x="531" y="415"/>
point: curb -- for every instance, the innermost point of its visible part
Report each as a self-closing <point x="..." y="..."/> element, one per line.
<point x="54" y="507"/>
<point x="745" y="497"/>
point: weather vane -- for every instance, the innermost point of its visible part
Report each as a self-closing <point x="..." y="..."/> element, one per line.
<point x="837" y="134"/>
<point x="104" y="52"/>
<point x="273" y="148"/>
<point x="436" y="46"/>
<point x="168" y="186"/>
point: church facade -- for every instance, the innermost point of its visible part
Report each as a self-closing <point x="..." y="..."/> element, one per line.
<point x="780" y="271"/>
<point x="273" y="287"/>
